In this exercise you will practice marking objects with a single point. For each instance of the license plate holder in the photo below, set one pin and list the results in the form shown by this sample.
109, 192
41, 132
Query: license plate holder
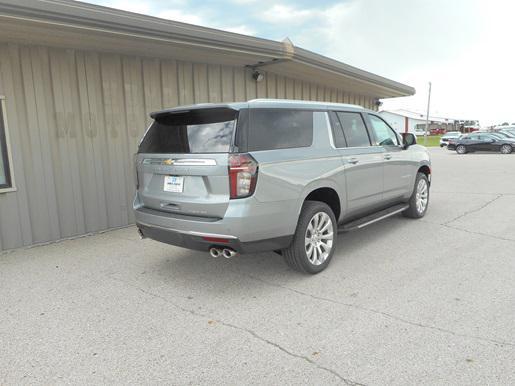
174, 184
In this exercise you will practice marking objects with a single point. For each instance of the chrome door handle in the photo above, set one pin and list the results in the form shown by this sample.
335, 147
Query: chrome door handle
353, 160
387, 156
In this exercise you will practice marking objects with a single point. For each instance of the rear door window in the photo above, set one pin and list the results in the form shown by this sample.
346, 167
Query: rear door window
271, 129
194, 131
354, 129
339, 138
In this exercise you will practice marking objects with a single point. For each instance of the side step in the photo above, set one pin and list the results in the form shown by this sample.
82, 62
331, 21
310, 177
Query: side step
372, 218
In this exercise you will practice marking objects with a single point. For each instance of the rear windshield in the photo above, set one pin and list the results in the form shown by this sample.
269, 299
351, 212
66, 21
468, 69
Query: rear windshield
195, 131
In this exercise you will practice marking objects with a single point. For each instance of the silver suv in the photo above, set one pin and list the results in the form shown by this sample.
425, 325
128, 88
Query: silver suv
274, 175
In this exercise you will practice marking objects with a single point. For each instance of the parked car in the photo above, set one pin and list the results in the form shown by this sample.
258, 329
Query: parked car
272, 175
482, 142
448, 136
506, 133
437, 131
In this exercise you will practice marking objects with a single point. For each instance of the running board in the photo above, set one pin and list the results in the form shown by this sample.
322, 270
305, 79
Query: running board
372, 218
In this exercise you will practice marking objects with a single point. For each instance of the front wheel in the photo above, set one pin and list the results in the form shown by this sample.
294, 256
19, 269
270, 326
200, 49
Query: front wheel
461, 149
506, 149
419, 199
314, 240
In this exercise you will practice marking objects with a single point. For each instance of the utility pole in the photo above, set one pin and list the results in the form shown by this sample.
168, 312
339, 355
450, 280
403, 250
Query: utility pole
427, 114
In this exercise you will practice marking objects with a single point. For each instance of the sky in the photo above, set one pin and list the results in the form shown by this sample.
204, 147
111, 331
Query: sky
465, 48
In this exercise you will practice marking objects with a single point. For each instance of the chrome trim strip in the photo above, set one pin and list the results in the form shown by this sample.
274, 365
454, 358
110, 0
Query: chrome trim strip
191, 233
180, 161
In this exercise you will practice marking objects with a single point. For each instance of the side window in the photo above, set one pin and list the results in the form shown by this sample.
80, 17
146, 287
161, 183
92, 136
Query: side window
384, 134
339, 138
354, 129
279, 129
6, 180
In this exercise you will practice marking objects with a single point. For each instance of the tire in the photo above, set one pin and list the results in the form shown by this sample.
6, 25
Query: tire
506, 149
296, 255
461, 149
416, 210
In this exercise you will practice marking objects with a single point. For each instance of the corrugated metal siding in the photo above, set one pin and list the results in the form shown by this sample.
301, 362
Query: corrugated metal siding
76, 117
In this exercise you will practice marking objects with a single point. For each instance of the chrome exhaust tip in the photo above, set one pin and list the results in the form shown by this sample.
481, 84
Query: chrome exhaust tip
215, 252
228, 253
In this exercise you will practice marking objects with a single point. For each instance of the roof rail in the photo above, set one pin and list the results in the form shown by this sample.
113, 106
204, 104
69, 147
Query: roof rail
296, 101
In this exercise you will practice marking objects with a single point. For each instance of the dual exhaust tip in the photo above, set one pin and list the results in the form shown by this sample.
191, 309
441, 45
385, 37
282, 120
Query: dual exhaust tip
224, 252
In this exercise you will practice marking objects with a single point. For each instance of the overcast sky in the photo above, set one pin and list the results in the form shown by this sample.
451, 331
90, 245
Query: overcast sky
464, 47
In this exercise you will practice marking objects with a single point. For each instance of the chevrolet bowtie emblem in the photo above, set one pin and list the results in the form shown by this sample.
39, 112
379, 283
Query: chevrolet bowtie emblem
168, 161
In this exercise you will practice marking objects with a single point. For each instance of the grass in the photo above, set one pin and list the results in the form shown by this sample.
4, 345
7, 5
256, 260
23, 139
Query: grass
432, 140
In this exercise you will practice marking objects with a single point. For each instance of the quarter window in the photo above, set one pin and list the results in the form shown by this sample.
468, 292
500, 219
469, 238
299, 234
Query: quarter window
279, 129
354, 129
5, 166
384, 134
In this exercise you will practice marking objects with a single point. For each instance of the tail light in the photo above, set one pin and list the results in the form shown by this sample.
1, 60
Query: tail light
243, 171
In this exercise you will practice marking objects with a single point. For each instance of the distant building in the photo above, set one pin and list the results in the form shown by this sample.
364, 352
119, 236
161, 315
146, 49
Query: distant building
404, 121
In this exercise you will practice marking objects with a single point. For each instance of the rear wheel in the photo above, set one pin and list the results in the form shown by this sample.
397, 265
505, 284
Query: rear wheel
419, 200
461, 149
313, 243
506, 149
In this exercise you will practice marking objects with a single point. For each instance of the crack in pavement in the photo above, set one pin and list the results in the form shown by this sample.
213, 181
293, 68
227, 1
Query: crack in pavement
474, 210
446, 225
247, 330
378, 312
477, 233
472, 193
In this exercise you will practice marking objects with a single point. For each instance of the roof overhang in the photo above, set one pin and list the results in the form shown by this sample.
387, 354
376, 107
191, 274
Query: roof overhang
71, 24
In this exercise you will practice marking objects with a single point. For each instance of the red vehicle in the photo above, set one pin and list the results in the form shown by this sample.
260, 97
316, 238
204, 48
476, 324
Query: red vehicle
437, 131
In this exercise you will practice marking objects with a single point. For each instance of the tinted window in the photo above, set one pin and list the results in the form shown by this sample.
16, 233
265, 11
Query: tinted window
196, 131
384, 134
279, 129
339, 138
354, 129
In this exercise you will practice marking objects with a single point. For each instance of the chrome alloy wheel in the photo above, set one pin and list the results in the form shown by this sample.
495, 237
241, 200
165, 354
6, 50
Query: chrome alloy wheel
506, 149
319, 238
461, 149
421, 196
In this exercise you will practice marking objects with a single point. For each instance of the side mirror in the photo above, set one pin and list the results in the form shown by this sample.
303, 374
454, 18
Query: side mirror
408, 139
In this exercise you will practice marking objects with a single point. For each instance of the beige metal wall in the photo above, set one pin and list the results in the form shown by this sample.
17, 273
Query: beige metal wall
76, 117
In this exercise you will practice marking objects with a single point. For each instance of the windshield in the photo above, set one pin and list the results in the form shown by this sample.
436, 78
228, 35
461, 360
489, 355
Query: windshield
196, 131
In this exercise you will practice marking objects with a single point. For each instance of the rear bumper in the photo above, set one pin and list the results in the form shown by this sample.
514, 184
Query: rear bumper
197, 242
247, 226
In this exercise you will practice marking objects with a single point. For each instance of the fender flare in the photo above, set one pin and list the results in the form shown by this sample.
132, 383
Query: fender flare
318, 184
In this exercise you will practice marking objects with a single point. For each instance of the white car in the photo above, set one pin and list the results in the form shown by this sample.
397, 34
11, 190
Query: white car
449, 135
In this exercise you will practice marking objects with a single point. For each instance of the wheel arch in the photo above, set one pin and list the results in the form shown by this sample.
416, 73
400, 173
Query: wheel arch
327, 192
425, 169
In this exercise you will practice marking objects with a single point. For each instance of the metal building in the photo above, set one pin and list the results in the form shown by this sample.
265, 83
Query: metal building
77, 82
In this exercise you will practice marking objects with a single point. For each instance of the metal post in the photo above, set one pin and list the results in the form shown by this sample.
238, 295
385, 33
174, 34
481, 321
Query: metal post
427, 114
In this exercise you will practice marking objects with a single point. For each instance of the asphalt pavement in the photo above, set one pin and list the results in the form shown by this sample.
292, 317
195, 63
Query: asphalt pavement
404, 301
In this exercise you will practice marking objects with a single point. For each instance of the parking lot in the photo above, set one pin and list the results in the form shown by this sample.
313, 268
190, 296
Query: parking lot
403, 302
